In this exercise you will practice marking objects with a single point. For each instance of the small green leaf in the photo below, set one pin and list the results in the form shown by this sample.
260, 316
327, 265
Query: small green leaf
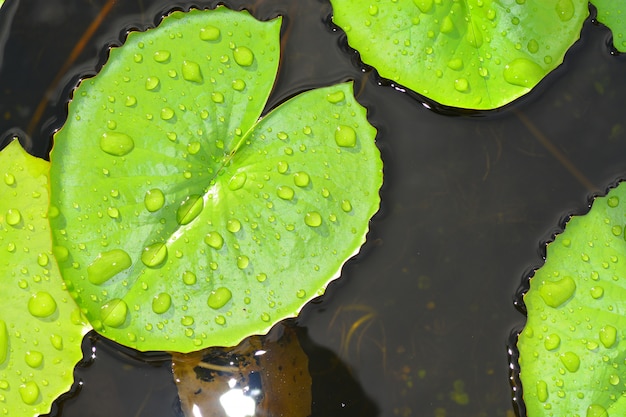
612, 13
573, 347
40, 325
186, 222
475, 54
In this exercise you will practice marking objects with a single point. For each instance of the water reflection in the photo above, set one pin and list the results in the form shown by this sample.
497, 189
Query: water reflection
283, 373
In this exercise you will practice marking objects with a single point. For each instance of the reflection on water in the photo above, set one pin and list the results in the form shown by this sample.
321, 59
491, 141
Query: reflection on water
419, 323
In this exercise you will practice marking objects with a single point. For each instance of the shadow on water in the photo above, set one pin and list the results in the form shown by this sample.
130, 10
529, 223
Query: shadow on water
420, 322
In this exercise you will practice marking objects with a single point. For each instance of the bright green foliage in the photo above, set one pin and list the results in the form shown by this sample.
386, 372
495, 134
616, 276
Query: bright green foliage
573, 348
184, 221
475, 54
40, 325
613, 14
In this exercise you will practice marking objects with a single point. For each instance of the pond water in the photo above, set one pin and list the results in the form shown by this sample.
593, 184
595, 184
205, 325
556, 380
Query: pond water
419, 324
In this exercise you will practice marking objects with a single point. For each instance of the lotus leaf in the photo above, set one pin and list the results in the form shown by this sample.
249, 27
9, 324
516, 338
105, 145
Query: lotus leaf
41, 328
185, 221
613, 14
573, 347
474, 54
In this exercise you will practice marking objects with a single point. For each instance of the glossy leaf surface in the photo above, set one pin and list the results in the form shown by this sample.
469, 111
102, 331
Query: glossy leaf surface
612, 13
475, 54
40, 325
573, 347
185, 222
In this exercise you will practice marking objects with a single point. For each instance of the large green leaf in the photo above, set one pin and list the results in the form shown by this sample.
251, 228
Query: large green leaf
184, 221
613, 14
40, 325
573, 347
475, 54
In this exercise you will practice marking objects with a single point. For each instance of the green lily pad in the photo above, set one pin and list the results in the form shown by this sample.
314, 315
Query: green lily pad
612, 13
474, 54
573, 347
183, 220
40, 325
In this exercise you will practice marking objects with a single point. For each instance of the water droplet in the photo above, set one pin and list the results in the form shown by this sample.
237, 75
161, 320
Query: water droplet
214, 240
265, 317
130, 101
596, 410
608, 336
555, 293
107, 265
542, 391
187, 321
301, 179
154, 255
552, 341
33, 358
209, 33
189, 209
161, 303
233, 225
237, 181
461, 85
373, 10
239, 85
345, 136
455, 64
597, 292
447, 25
113, 313
193, 147
42, 304
282, 167
424, 5
192, 72
154, 199
57, 341
613, 201
336, 97
565, 10
346, 206
613, 379
533, 46
221, 320
138, 58
570, 360
300, 293
523, 72
189, 278
9, 179
261, 277
152, 83
243, 56
219, 297
243, 261
161, 56
167, 113
113, 213
13, 217
217, 97
285, 192
29, 392
313, 219
116, 144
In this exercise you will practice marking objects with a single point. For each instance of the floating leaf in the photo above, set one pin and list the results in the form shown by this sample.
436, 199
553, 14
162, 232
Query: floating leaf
612, 13
263, 375
573, 348
40, 325
475, 54
184, 221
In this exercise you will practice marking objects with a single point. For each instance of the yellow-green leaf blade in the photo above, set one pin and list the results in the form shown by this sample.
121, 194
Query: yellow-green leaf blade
40, 325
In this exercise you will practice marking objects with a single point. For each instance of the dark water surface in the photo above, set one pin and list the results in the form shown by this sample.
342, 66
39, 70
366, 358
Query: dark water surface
418, 324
